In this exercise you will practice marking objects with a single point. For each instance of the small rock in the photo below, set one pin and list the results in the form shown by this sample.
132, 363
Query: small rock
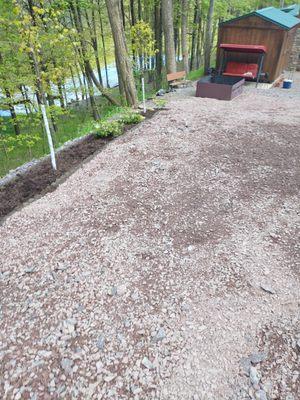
191, 248
160, 92
44, 353
135, 389
160, 335
110, 377
127, 323
257, 358
121, 290
147, 363
135, 296
101, 342
298, 345
30, 270
261, 395
69, 326
99, 367
113, 291
184, 307
245, 364
254, 378
267, 288
67, 365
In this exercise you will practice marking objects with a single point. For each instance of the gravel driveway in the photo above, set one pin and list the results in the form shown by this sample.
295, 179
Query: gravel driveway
165, 267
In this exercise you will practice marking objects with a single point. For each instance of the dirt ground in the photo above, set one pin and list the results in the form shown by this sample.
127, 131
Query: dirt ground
167, 266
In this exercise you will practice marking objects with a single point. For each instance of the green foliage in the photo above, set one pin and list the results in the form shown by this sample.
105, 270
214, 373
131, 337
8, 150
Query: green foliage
196, 74
160, 103
142, 39
131, 117
9, 143
108, 128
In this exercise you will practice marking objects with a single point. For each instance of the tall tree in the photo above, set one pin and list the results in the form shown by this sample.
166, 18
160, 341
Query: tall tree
168, 27
123, 60
208, 36
91, 77
158, 42
184, 41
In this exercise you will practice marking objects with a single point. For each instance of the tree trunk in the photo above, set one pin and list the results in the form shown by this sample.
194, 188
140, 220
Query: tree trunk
184, 42
168, 26
139, 10
124, 63
123, 13
25, 99
74, 84
93, 35
132, 12
196, 21
208, 36
158, 41
199, 46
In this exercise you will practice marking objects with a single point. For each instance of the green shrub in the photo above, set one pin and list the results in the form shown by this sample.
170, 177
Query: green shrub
108, 128
131, 117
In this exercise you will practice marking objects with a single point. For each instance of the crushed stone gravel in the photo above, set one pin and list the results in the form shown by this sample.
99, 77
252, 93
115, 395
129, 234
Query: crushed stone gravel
140, 276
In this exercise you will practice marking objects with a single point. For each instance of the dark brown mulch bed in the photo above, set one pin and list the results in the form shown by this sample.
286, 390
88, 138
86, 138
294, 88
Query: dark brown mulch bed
40, 178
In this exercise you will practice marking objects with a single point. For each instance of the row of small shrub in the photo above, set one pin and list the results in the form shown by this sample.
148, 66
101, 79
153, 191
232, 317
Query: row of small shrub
115, 128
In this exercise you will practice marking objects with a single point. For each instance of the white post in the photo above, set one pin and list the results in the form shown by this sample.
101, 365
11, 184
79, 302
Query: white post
144, 97
49, 137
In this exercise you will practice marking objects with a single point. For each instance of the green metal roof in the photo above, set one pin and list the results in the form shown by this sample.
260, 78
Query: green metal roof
283, 19
294, 10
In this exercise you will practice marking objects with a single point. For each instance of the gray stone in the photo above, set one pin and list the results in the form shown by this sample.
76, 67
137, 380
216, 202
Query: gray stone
113, 291
147, 363
30, 270
127, 323
135, 389
67, 365
121, 290
267, 288
298, 345
160, 335
245, 364
110, 377
257, 358
254, 378
69, 326
99, 367
101, 342
261, 395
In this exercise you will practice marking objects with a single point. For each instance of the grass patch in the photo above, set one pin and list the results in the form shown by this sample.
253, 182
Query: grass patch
196, 74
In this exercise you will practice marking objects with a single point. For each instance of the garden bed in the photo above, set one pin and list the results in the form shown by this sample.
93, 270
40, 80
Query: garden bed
38, 178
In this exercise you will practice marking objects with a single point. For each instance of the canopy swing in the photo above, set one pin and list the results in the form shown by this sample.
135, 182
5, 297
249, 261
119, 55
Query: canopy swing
242, 69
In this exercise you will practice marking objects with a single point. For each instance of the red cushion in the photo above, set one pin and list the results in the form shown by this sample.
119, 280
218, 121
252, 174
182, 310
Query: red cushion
241, 69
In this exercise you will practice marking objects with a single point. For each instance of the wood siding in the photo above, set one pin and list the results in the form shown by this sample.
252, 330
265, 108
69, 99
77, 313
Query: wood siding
255, 30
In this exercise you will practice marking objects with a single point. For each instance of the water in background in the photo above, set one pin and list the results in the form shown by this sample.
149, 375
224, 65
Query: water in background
112, 79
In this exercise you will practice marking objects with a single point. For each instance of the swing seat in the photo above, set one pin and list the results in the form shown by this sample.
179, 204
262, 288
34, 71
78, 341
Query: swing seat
243, 70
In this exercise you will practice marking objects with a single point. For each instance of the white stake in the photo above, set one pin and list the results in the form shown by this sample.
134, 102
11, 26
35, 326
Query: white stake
49, 137
144, 97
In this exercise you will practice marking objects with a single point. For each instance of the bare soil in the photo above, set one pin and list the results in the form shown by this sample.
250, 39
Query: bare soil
163, 262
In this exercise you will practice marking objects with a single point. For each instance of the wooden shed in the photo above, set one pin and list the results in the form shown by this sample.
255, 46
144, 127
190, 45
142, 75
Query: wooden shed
269, 27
